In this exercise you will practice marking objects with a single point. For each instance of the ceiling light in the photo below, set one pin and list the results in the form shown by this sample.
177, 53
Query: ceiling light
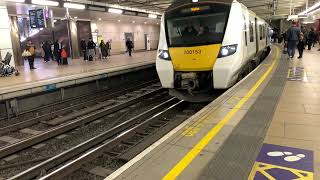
153, 16
45, 2
310, 9
76, 17
194, 1
145, 22
119, 20
16, 1
116, 11
99, 19
133, 21
74, 6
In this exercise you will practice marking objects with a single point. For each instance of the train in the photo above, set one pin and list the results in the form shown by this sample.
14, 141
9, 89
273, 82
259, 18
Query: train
207, 46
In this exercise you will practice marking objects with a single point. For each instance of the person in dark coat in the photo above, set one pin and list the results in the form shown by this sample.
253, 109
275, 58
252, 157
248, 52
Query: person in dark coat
83, 46
301, 45
292, 39
57, 51
104, 50
91, 49
47, 51
311, 38
129, 45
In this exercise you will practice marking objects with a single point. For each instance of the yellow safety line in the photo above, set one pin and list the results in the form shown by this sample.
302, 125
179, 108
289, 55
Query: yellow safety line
193, 153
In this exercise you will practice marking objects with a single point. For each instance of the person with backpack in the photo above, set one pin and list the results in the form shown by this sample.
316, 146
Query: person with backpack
32, 50
300, 45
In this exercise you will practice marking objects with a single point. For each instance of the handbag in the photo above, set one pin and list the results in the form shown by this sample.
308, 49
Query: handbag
26, 53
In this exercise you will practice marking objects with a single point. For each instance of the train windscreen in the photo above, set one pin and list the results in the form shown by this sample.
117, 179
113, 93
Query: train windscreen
197, 25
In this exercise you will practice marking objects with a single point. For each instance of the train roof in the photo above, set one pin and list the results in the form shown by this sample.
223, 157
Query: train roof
177, 3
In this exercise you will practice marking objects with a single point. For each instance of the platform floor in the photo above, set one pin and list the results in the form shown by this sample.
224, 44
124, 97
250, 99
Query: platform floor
51, 70
228, 139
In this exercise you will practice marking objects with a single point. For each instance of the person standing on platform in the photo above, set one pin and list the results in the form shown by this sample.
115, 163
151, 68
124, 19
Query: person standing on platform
104, 50
311, 38
32, 50
91, 49
57, 51
109, 47
292, 39
83, 46
64, 56
130, 46
301, 45
47, 51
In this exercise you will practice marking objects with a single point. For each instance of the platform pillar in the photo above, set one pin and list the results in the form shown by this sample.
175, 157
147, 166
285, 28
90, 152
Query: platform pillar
5, 31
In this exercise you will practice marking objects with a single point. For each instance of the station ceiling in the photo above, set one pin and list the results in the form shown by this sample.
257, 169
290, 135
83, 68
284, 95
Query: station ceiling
264, 8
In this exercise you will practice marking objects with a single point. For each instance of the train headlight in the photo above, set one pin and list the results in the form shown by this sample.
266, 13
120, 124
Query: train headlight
227, 50
164, 54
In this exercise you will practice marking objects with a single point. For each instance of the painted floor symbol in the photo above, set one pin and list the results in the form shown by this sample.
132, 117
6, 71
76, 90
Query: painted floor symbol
284, 163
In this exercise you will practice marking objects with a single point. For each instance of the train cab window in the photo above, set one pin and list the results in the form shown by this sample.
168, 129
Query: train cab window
251, 32
201, 25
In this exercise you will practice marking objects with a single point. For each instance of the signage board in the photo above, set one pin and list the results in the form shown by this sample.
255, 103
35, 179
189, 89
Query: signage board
37, 19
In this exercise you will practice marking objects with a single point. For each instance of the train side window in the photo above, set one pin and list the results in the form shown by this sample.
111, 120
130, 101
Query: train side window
245, 30
260, 32
251, 31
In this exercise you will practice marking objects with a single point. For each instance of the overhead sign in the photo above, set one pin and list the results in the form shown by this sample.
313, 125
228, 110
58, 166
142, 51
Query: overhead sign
37, 18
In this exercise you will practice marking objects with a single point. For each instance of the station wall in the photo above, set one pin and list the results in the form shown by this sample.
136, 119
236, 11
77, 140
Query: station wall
116, 32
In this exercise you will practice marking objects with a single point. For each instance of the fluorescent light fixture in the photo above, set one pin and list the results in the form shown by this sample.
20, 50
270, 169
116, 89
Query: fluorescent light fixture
99, 19
116, 11
194, 1
310, 9
119, 20
153, 16
76, 17
45, 2
74, 6
16, 1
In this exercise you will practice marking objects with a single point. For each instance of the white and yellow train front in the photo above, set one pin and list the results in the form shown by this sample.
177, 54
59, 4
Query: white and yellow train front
201, 46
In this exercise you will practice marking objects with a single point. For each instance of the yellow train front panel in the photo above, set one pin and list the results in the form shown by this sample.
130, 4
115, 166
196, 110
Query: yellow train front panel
197, 58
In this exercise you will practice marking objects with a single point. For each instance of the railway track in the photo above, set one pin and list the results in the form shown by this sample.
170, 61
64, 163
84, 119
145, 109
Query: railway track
130, 133
37, 121
91, 124
71, 160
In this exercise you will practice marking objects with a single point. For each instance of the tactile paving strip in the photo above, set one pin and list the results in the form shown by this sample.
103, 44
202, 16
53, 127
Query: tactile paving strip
237, 155
297, 74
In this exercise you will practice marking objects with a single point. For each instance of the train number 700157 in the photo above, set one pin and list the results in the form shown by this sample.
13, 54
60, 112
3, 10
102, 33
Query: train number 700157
192, 51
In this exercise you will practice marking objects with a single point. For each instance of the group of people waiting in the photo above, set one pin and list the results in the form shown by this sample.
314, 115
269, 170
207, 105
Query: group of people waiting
299, 38
55, 52
89, 49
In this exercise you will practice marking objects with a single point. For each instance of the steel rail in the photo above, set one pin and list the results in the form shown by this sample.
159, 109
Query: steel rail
117, 131
13, 148
44, 117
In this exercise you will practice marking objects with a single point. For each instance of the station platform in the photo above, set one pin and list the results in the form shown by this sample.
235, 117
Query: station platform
265, 127
49, 75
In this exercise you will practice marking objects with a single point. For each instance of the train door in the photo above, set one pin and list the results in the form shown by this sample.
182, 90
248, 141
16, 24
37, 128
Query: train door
257, 34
